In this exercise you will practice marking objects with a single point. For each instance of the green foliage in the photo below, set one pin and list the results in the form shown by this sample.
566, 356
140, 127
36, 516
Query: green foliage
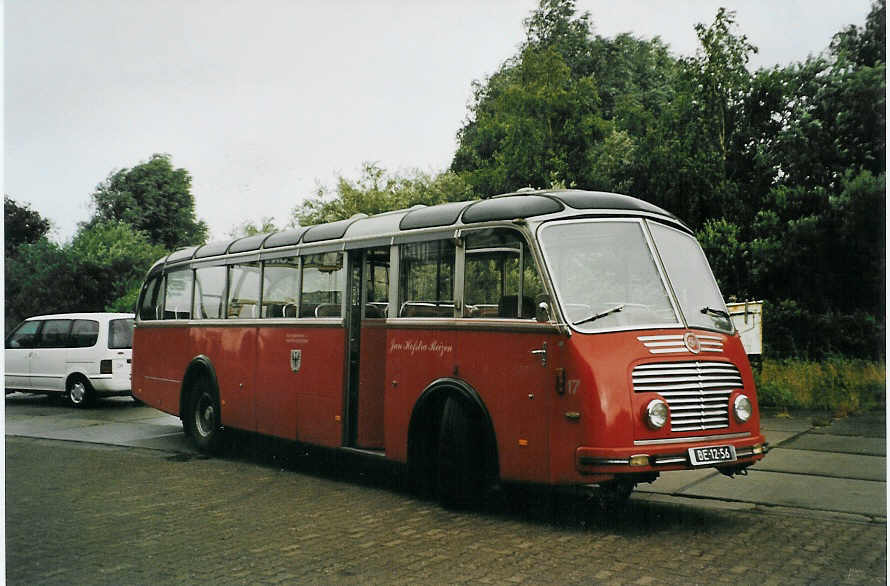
839, 385
266, 225
378, 191
21, 224
40, 279
101, 270
781, 171
152, 197
113, 258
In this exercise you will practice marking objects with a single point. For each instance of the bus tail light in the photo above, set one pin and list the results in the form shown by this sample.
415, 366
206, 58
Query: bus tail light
656, 413
105, 367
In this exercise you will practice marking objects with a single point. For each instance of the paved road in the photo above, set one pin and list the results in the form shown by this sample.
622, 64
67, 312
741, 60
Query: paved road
126, 500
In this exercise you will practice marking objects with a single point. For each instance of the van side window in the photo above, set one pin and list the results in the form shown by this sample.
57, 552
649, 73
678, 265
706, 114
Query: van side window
426, 286
499, 272
178, 295
54, 333
323, 284
150, 308
84, 333
281, 287
244, 291
120, 333
25, 336
210, 288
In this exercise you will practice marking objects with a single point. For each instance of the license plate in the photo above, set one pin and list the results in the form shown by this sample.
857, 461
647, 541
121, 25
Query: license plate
711, 455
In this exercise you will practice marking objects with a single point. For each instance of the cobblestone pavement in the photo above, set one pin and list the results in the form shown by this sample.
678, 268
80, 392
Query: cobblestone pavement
92, 514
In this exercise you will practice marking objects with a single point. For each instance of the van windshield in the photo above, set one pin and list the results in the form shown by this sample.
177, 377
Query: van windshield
606, 276
120, 333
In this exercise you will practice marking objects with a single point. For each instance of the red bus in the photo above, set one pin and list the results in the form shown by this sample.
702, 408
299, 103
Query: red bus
548, 337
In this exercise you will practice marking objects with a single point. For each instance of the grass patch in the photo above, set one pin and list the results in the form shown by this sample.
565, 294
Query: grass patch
837, 385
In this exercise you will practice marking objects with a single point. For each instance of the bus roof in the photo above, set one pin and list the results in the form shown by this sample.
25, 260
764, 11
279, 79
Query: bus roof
523, 204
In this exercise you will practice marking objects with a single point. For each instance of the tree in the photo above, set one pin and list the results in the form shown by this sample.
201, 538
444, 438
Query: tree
112, 259
266, 225
152, 197
378, 191
41, 279
21, 224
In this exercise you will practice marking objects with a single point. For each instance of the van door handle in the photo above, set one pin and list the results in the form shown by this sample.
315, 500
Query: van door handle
541, 353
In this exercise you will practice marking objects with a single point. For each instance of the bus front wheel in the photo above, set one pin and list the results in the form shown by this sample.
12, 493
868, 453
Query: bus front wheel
203, 418
460, 466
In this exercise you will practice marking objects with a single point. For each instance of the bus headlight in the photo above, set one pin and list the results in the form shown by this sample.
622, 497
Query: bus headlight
742, 408
656, 413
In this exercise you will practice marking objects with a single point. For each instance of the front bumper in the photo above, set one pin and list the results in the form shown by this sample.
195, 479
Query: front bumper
672, 454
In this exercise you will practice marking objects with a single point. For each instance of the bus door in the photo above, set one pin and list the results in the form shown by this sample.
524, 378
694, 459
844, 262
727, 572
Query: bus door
368, 294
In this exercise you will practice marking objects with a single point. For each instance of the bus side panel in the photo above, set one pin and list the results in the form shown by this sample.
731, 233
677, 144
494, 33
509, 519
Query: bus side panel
232, 351
372, 387
411, 366
319, 392
277, 383
160, 358
515, 387
518, 391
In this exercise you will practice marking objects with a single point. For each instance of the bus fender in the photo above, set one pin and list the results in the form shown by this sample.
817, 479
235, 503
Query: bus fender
423, 429
199, 366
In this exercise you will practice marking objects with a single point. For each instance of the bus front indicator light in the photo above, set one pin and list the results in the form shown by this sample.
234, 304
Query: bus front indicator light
742, 408
656, 414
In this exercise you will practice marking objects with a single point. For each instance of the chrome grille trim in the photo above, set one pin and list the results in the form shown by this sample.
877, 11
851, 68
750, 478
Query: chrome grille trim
673, 343
683, 440
697, 392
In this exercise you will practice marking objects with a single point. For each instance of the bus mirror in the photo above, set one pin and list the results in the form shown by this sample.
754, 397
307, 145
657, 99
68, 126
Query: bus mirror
542, 311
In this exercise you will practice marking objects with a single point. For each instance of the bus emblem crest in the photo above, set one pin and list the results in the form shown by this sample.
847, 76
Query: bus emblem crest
692, 343
296, 358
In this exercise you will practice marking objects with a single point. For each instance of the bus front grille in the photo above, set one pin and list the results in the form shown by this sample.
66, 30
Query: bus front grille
696, 392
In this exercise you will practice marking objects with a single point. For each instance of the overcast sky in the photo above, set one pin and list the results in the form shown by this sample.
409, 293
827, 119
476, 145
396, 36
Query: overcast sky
262, 100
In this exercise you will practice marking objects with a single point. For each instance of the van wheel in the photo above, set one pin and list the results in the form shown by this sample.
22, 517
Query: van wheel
203, 418
79, 392
460, 469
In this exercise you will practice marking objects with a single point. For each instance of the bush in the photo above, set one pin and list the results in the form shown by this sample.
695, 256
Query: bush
839, 385
791, 331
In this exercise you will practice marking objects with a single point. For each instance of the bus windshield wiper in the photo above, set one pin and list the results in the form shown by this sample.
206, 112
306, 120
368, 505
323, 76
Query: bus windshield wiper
595, 317
718, 312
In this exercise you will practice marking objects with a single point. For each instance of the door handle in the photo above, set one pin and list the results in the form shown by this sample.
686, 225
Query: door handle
541, 353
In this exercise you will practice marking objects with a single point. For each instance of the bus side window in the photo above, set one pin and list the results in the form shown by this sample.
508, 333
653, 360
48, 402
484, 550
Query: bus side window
210, 288
499, 272
426, 286
377, 300
281, 287
323, 283
150, 308
178, 295
244, 291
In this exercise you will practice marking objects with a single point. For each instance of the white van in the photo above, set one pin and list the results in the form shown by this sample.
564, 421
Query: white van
77, 355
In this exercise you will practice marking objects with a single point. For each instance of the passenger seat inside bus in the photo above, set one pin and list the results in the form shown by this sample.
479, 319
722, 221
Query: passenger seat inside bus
508, 307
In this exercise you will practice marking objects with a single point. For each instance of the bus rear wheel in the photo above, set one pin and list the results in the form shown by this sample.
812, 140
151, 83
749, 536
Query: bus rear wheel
203, 418
460, 476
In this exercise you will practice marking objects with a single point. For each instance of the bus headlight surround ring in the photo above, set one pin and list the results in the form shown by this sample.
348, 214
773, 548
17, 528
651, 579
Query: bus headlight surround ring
742, 408
656, 414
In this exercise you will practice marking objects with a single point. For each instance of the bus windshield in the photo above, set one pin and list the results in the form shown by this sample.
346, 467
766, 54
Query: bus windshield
691, 279
606, 276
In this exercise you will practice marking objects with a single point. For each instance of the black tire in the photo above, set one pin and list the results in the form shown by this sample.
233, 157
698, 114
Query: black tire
613, 495
460, 474
202, 418
79, 392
